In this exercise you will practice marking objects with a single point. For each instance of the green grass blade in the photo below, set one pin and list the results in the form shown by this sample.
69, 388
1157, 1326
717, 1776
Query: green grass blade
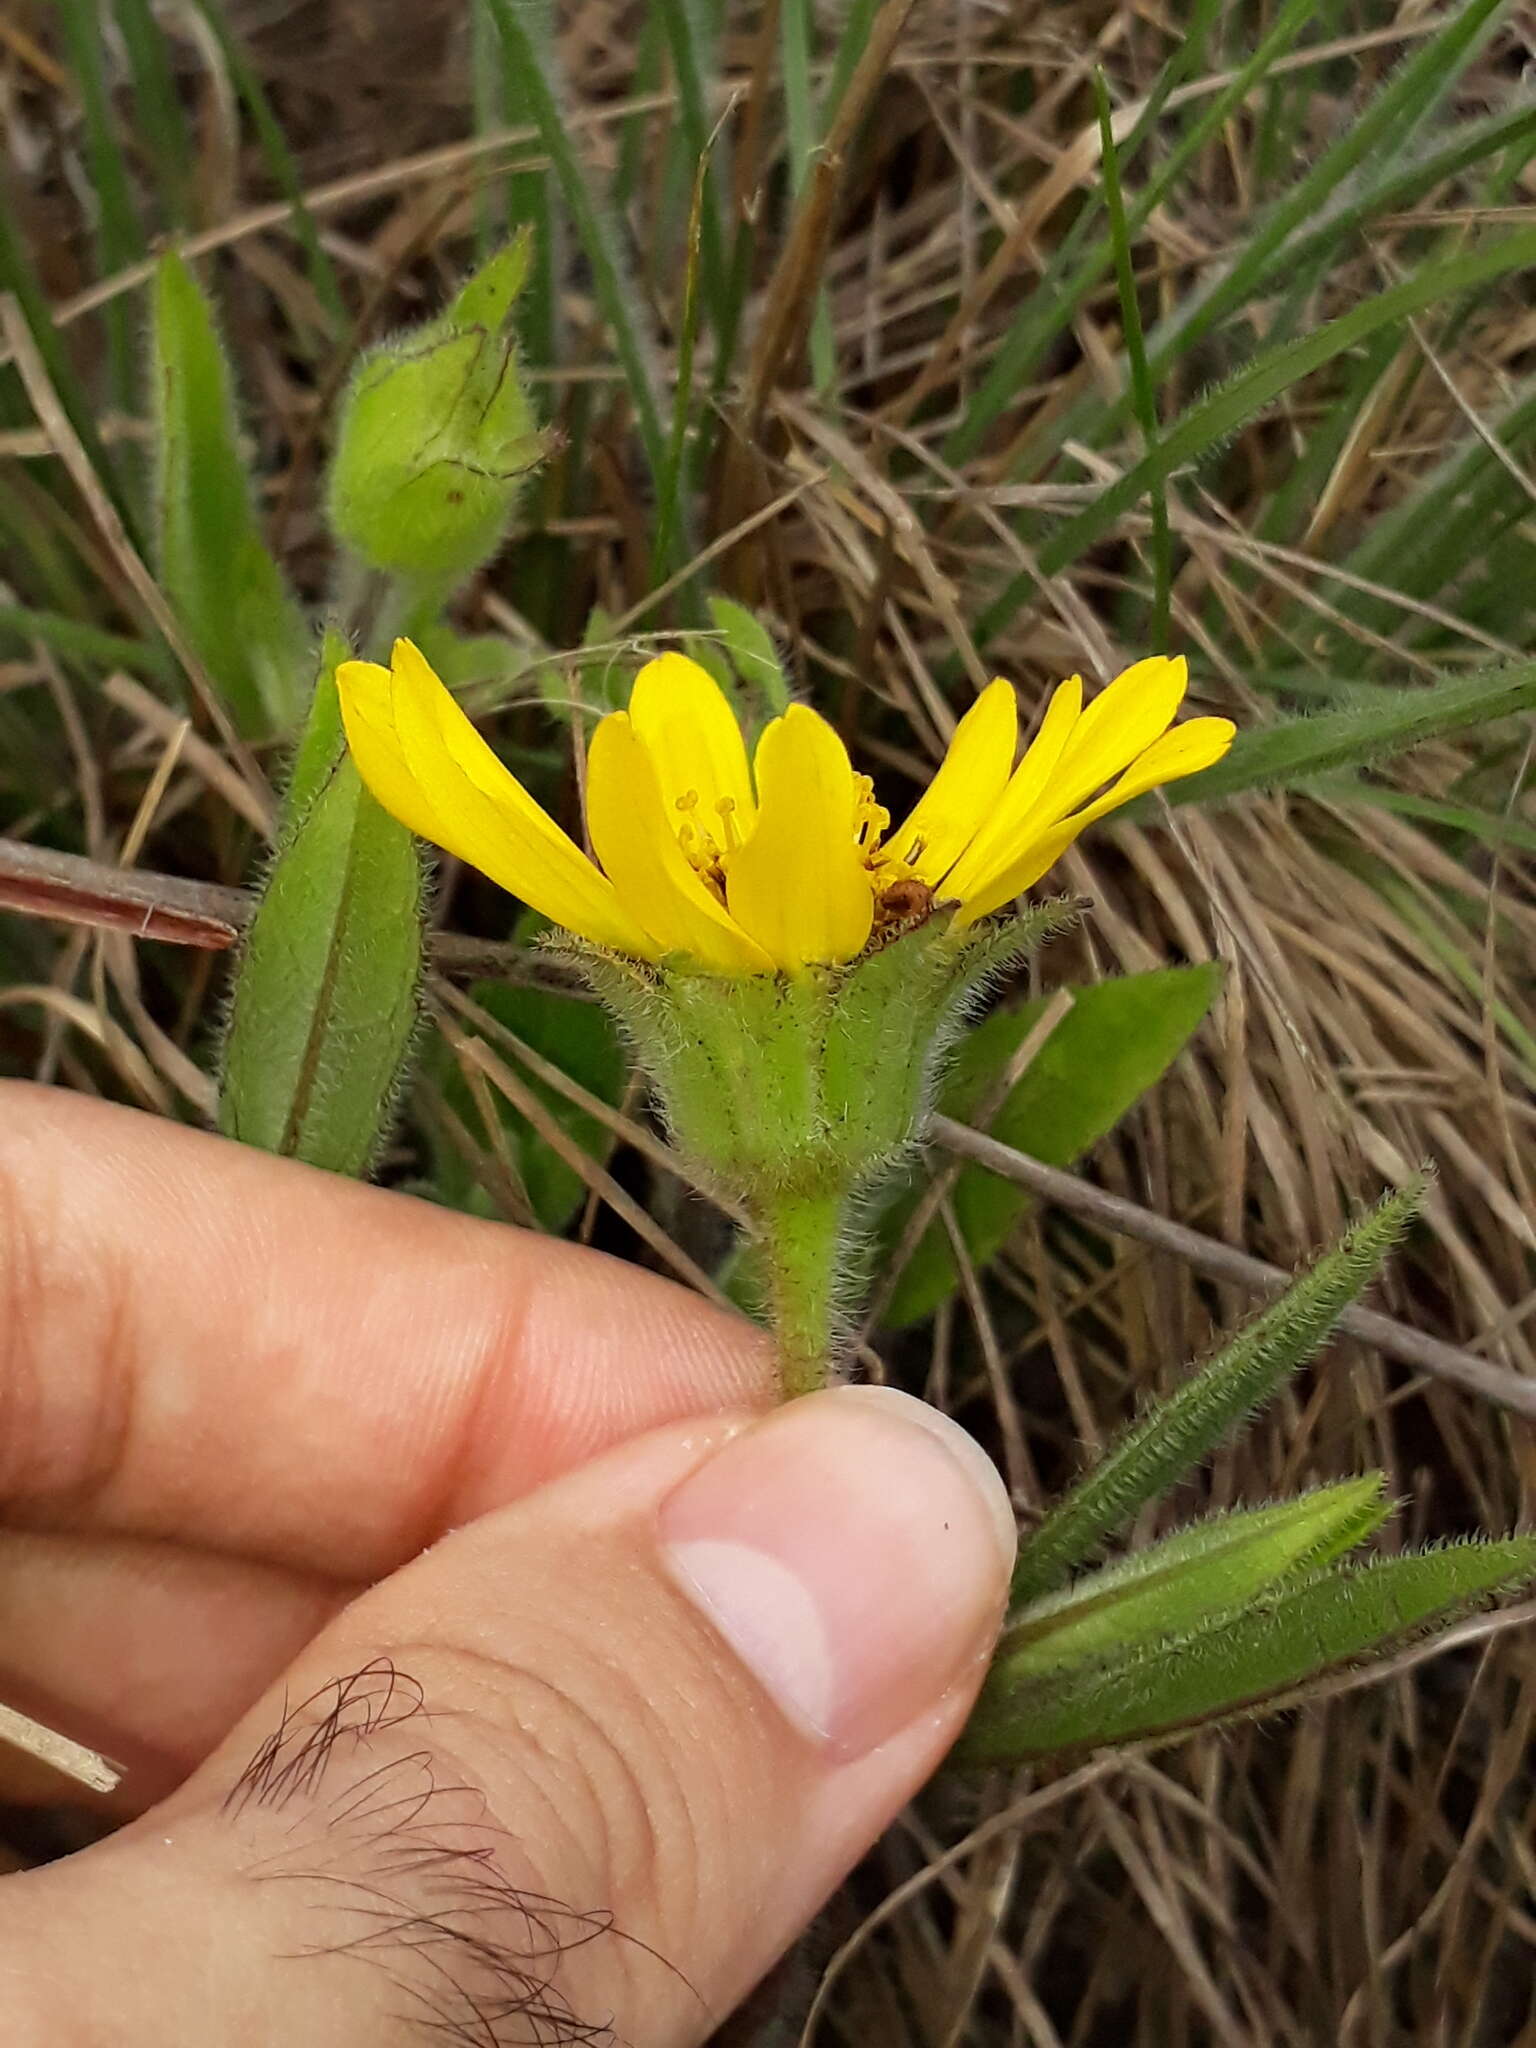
1206, 425
1318, 199
1143, 390
690, 43
1071, 275
87, 646
1487, 827
161, 124
269, 133
119, 231
674, 481
1420, 543
594, 227
503, 97
797, 23
20, 279
1298, 238
1299, 748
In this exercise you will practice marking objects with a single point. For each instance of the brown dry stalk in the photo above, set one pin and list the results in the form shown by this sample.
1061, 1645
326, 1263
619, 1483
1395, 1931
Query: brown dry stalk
1225, 1262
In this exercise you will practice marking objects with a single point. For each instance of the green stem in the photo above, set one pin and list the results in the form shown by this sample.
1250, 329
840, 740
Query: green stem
801, 1238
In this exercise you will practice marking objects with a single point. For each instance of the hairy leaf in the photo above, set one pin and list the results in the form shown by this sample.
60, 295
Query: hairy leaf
1241, 1658
1391, 721
325, 998
1180, 1431
1214, 1564
224, 585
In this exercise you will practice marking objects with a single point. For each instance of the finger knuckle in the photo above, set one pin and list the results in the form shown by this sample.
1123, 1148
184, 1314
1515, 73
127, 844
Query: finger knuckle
66, 1310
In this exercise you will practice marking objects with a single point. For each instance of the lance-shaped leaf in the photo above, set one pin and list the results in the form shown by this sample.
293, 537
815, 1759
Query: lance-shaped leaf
1170, 1588
225, 587
1180, 1431
325, 1000
1242, 1658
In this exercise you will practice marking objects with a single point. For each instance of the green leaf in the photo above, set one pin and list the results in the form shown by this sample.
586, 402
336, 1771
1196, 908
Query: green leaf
1118, 1038
224, 585
1215, 1564
752, 653
325, 999
583, 1041
1241, 1658
1180, 1431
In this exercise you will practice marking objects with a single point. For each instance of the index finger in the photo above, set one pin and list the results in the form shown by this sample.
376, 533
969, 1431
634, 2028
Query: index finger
203, 1342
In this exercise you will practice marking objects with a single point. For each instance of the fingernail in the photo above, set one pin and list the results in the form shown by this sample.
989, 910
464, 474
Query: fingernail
854, 1550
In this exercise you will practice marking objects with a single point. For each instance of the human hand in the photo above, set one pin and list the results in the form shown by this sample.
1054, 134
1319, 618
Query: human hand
502, 1672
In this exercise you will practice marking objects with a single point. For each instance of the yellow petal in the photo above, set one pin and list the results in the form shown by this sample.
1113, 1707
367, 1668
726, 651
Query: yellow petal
1198, 743
1120, 723
1184, 751
1030, 789
635, 838
691, 734
425, 762
965, 792
799, 885
363, 687
1034, 857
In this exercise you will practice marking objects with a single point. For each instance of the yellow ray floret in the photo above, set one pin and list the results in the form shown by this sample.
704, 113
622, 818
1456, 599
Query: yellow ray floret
787, 862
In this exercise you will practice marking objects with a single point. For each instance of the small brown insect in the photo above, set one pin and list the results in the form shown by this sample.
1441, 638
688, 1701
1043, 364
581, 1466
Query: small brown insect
905, 902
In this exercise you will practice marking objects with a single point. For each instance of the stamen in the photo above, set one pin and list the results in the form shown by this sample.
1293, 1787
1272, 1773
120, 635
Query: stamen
870, 820
725, 811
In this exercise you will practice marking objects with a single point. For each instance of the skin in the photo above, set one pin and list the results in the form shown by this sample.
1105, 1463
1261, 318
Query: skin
350, 1526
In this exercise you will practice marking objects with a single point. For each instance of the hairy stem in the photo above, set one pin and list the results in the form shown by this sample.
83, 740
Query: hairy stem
801, 1243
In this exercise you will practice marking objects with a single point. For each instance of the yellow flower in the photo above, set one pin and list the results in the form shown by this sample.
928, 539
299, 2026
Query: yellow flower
784, 863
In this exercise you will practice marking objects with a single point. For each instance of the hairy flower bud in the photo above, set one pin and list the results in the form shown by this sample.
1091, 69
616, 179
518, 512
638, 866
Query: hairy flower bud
791, 1097
437, 435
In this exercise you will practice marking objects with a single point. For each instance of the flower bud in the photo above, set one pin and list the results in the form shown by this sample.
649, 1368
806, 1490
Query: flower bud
437, 435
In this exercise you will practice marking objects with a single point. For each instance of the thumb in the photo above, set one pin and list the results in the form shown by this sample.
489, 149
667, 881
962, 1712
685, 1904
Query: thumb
578, 1773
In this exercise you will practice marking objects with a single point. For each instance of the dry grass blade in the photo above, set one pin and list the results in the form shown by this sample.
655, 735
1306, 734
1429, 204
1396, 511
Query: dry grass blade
72, 1760
66, 445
